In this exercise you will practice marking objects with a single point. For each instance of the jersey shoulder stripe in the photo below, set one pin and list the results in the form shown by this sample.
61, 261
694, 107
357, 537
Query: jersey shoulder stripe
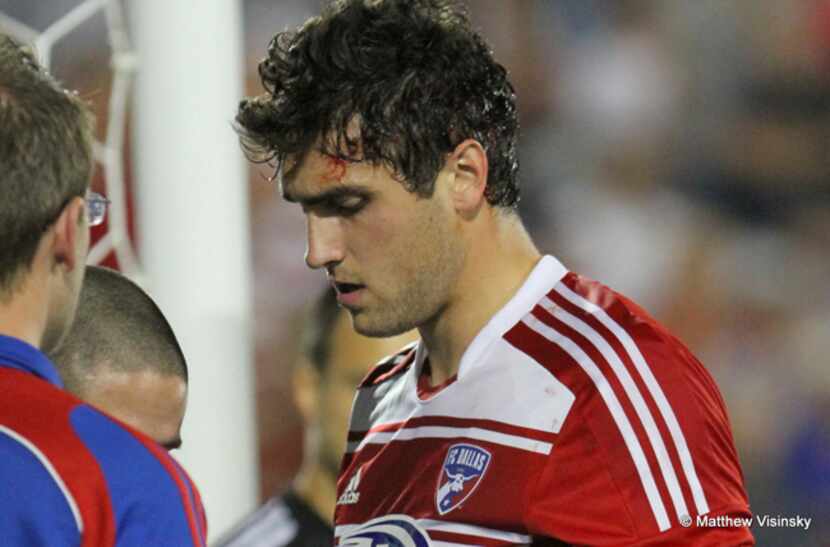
625, 323
607, 349
390, 366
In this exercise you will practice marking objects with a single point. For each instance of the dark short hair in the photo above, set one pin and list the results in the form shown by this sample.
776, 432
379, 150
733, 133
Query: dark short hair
318, 328
46, 135
412, 73
118, 326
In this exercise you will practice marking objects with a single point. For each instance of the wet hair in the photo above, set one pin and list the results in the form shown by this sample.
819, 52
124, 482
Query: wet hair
117, 326
318, 329
412, 74
46, 135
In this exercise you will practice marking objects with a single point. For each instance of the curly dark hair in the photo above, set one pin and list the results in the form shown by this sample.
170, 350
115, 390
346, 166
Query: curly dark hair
414, 75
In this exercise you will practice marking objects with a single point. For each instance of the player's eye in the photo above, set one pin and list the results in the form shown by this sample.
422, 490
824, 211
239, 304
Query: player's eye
342, 206
349, 206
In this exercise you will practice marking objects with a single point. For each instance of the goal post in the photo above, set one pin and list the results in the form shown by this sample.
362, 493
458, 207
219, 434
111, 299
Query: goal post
180, 65
193, 231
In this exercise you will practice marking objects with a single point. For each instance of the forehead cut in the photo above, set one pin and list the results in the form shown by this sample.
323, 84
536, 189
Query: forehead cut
339, 152
326, 179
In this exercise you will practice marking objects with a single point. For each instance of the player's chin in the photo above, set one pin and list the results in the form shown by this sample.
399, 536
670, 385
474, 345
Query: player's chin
375, 325
364, 325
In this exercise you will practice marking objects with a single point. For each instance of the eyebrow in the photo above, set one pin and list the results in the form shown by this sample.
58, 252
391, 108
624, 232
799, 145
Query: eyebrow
327, 196
172, 444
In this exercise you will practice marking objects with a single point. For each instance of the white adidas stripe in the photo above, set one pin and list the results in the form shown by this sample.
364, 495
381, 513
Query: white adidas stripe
617, 413
445, 432
654, 389
634, 396
48, 466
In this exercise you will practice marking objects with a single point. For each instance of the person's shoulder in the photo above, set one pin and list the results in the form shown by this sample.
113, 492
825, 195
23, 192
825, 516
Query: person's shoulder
312, 529
154, 500
36, 394
592, 295
37, 505
608, 310
647, 411
38, 458
52, 429
272, 524
283, 521
124, 453
100, 465
391, 366
583, 322
39, 412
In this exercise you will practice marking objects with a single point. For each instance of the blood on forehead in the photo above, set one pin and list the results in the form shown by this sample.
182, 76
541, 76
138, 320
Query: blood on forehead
335, 168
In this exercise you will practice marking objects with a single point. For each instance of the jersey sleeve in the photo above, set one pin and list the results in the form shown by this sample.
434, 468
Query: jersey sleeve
37, 509
153, 500
647, 449
585, 497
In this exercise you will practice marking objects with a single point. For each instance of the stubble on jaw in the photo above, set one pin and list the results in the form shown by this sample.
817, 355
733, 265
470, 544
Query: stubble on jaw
432, 259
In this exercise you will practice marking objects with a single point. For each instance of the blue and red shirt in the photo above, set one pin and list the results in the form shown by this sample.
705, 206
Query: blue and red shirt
71, 475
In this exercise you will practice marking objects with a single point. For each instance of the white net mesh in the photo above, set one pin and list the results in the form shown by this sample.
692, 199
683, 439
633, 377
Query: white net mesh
109, 149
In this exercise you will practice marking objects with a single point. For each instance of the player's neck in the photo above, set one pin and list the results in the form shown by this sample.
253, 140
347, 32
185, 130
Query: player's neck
317, 487
23, 316
497, 264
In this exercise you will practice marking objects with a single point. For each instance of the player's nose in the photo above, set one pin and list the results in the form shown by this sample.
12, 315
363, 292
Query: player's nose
324, 246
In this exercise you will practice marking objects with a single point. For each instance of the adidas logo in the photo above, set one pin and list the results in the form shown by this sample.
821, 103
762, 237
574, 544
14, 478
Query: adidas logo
351, 495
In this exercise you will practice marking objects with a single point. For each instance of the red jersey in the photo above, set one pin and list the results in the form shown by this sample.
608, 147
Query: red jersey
575, 418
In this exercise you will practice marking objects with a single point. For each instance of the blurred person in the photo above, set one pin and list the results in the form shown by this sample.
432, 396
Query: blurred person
333, 361
122, 357
69, 475
766, 346
539, 406
621, 103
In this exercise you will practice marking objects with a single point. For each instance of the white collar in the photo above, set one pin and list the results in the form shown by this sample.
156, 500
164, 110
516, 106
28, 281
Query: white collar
545, 275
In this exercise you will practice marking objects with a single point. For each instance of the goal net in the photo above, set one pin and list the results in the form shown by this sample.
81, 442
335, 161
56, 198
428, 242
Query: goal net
190, 199
30, 24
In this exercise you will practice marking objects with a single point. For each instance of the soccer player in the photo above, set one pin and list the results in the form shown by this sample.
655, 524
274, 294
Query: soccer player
69, 475
333, 361
540, 406
122, 357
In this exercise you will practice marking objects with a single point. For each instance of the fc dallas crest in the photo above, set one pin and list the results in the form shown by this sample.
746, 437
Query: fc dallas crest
463, 469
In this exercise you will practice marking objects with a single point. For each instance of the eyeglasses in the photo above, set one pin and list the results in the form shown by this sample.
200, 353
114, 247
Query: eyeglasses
96, 208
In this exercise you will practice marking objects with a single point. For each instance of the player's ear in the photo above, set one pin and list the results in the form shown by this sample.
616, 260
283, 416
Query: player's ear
68, 232
306, 382
469, 169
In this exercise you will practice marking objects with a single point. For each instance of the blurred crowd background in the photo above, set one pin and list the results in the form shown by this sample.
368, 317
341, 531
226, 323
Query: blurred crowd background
676, 150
